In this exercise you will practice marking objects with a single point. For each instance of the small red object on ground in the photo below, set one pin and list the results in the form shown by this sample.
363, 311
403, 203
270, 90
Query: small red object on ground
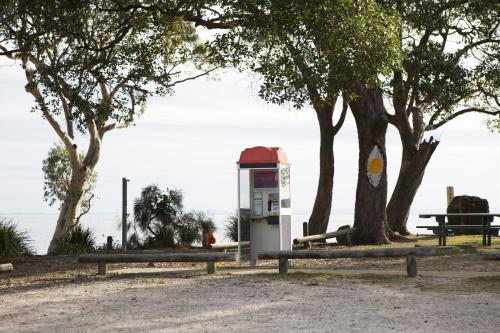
211, 239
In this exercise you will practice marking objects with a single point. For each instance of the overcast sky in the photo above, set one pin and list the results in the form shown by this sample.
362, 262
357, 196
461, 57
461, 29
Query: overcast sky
191, 141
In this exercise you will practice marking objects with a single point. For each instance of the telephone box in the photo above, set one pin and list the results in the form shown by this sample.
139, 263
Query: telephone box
264, 212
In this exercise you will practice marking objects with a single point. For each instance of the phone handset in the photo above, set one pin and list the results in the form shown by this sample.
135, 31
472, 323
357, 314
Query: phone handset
273, 204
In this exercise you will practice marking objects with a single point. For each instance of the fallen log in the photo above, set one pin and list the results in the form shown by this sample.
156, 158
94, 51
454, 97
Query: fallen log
324, 236
5, 268
225, 246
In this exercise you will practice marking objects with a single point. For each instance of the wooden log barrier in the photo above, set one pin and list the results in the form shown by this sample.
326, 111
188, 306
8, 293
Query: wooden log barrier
409, 253
284, 264
411, 265
491, 256
226, 246
324, 236
6, 268
103, 259
210, 267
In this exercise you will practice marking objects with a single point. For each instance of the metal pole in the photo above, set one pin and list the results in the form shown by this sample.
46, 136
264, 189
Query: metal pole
124, 214
238, 259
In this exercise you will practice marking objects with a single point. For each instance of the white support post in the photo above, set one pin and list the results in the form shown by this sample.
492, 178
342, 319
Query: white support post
238, 257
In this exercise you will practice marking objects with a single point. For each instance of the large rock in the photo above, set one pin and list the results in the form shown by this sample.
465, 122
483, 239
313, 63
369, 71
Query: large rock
467, 204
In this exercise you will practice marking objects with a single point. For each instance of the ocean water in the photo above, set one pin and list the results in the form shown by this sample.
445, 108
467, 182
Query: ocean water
41, 226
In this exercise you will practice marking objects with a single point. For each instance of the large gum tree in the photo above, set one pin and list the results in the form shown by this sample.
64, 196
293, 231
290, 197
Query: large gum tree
90, 71
308, 54
451, 68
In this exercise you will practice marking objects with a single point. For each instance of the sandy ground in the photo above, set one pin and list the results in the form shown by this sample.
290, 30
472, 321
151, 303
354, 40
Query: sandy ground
56, 294
191, 302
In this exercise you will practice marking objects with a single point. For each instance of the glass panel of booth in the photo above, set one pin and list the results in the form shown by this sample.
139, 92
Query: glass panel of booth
284, 178
244, 189
244, 204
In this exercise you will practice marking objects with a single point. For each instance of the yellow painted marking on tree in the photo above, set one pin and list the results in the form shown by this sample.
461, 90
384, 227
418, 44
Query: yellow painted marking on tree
375, 165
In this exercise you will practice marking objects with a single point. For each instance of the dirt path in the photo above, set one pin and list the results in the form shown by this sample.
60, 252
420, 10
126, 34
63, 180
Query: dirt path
458, 292
173, 302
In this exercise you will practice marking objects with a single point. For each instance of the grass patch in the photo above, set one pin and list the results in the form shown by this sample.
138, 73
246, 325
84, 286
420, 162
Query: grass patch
470, 239
484, 283
474, 284
427, 240
315, 278
222, 265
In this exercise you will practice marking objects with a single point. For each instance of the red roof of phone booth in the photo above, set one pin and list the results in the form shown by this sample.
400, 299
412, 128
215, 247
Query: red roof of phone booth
261, 154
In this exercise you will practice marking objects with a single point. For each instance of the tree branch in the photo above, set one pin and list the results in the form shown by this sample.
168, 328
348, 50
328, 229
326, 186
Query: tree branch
341, 120
113, 126
84, 211
170, 85
432, 126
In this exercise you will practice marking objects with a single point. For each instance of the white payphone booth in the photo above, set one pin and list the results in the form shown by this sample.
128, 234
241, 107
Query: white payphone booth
264, 212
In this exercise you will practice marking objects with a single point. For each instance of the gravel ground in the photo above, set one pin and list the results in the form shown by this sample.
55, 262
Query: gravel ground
193, 301
56, 294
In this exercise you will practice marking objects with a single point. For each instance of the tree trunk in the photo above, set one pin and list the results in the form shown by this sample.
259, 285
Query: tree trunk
69, 208
413, 164
371, 193
81, 173
320, 216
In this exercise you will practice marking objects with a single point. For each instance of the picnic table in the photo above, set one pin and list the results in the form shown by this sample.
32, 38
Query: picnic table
443, 228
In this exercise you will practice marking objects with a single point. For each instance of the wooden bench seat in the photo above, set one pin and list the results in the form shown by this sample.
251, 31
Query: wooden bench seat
409, 253
103, 259
460, 227
442, 228
442, 232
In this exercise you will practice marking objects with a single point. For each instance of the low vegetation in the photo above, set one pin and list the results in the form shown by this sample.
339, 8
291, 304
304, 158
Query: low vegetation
13, 242
77, 240
231, 229
160, 222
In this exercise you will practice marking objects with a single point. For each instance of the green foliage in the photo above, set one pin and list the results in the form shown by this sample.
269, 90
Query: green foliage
231, 227
158, 215
308, 52
206, 226
451, 58
77, 240
57, 174
13, 242
156, 211
187, 229
80, 49
134, 241
162, 239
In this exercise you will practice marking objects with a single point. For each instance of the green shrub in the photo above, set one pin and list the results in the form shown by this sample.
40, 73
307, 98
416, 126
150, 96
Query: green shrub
134, 241
232, 226
78, 240
162, 238
187, 229
206, 226
158, 215
13, 242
